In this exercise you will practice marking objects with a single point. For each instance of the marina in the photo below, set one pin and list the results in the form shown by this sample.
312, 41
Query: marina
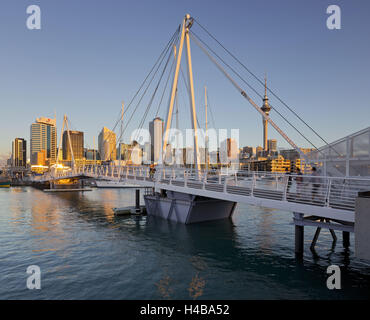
218, 156
85, 250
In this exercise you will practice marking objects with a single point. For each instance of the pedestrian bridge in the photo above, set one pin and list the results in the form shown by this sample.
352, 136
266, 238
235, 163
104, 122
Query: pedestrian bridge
325, 197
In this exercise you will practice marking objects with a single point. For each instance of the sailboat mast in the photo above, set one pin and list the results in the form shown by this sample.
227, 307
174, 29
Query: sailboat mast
120, 138
206, 151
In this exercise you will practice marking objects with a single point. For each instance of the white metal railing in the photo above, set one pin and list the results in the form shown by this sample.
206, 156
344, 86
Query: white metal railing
335, 192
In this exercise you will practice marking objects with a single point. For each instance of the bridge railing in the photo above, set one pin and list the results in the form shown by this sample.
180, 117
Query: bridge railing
332, 192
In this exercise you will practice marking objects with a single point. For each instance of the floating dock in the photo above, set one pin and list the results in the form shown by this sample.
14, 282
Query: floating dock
130, 211
67, 190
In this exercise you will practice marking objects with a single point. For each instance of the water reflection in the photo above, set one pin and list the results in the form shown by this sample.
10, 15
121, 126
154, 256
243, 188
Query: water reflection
87, 252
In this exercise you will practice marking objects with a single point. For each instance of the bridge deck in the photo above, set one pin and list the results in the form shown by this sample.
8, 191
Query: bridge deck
327, 197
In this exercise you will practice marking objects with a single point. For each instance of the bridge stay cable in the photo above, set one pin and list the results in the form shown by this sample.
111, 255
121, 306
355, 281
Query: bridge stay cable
167, 51
270, 90
244, 94
159, 59
254, 90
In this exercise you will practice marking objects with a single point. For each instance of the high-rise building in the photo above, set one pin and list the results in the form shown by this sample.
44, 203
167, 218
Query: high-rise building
266, 109
125, 150
107, 144
19, 152
156, 128
43, 137
77, 144
229, 151
272, 146
91, 154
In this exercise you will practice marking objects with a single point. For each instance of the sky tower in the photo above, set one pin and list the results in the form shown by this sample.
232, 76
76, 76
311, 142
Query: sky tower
266, 109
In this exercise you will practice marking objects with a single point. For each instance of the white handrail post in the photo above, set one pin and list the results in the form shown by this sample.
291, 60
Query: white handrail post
328, 189
253, 183
276, 181
286, 184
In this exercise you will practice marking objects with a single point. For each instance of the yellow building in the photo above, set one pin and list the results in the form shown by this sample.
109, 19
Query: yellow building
278, 164
300, 164
107, 145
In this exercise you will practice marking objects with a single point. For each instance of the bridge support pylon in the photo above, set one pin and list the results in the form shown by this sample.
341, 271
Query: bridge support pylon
187, 208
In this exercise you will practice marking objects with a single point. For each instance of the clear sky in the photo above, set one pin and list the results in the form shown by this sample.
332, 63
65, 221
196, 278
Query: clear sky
90, 55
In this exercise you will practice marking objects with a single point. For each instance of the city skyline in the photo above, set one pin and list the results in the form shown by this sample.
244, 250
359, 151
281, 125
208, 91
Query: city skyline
316, 101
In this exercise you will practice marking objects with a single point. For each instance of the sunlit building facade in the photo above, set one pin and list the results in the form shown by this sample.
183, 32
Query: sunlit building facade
43, 136
107, 145
76, 143
19, 152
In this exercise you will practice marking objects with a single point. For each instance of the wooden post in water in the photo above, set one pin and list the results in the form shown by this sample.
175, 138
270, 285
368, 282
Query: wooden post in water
137, 198
346, 242
299, 239
299, 235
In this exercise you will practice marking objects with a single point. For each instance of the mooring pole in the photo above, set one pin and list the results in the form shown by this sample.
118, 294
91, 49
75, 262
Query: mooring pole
346, 241
299, 238
299, 234
137, 198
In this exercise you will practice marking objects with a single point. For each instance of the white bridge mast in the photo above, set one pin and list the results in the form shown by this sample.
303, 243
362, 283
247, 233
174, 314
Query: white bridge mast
186, 25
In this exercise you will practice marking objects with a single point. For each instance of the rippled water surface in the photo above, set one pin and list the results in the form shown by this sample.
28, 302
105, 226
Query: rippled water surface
85, 252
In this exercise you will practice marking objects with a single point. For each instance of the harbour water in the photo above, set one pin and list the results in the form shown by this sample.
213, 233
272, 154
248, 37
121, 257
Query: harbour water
85, 252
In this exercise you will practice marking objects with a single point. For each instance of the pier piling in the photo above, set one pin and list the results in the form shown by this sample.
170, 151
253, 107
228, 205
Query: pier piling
137, 198
299, 240
346, 241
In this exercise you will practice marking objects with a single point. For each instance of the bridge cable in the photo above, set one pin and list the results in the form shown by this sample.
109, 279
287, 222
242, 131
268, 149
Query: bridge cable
243, 93
168, 48
254, 90
261, 82
174, 35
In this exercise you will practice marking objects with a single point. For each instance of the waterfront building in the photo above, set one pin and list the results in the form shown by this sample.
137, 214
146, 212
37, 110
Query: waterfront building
298, 163
39, 158
91, 154
19, 153
107, 145
76, 142
248, 152
43, 136
156, 128
260, 152
126, 149
229, 151
266, 109
293, 154
272, 146
278, 164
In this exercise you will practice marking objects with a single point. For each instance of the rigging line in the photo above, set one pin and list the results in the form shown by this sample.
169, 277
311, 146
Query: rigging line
165, 88
147, 76
261, 82
154, 93
160, 58
142, 96
210, 109
254, 90
244, 94
146, 89
168, 78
